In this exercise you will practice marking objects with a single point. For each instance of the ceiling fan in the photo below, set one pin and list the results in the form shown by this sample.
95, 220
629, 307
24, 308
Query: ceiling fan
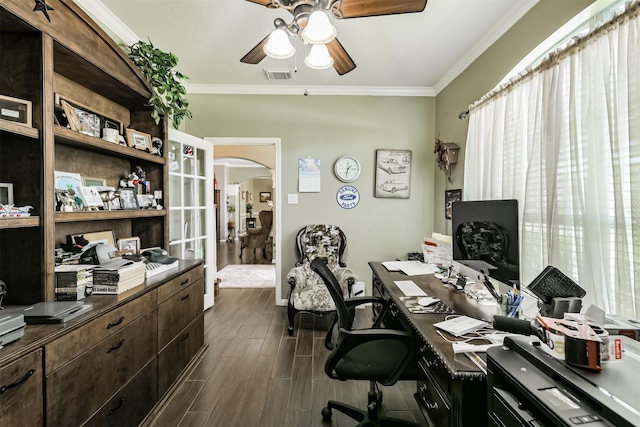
339, 9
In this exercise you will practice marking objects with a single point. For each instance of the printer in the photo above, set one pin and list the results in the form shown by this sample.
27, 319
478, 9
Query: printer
527, 386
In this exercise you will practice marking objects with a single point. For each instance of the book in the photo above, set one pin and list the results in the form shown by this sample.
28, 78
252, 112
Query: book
119, 279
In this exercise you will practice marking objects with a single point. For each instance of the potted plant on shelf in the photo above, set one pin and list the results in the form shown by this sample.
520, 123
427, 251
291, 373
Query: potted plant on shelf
168, 96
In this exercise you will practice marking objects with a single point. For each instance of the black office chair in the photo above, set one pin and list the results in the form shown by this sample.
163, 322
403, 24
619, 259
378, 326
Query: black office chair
378, 355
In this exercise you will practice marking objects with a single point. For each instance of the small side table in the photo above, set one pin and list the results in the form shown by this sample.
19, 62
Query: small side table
251, 222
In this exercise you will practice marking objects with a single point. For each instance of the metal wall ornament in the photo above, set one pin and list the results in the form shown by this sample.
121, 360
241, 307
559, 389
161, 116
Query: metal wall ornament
446, 155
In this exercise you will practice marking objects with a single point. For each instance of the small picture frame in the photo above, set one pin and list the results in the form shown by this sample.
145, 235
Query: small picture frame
112, 205
146, 201
107, 237
450, 197
129, 246
128, 199
6, 193
265, 196
93, 182
15, 110
90, 196
139, 140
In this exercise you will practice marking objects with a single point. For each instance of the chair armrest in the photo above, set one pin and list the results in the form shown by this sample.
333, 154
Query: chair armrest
364, 300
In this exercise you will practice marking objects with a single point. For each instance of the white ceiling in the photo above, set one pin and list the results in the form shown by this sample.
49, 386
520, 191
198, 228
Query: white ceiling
408, 54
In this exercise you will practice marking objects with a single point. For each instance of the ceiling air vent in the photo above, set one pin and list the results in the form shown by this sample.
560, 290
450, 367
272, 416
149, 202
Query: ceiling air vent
278, 74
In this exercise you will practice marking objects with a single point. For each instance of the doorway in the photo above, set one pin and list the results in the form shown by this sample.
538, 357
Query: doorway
265, 151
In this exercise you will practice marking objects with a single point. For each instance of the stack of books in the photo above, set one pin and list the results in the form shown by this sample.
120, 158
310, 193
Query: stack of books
115, 280
73, 282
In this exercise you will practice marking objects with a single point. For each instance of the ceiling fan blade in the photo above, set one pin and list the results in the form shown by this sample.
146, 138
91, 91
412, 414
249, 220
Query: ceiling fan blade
256, 54
361, 8
262, 2
342, 62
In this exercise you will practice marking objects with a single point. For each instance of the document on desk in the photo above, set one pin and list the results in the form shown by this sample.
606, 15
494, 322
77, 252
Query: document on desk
410, 268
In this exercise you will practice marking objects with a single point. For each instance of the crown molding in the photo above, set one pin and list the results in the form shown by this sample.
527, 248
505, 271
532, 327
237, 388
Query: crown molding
108, 21
498, 30
310, 90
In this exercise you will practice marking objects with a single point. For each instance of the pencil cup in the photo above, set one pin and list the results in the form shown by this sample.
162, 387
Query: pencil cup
511, 310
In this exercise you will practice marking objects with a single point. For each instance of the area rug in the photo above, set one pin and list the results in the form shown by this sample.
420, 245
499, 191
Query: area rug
248, 276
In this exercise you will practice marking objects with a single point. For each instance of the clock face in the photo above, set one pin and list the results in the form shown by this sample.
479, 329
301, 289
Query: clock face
347, 169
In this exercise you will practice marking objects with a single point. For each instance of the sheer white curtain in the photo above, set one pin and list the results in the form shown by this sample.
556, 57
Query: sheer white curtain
565, 141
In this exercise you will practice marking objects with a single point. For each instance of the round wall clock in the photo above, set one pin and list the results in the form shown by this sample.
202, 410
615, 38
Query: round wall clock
347, 169
348, 197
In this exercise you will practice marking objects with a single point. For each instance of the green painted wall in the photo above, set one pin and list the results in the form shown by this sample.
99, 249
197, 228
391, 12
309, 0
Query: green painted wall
328, 127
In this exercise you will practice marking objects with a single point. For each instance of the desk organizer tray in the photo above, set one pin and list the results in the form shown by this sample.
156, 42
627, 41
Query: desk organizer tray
11, 328
412, 305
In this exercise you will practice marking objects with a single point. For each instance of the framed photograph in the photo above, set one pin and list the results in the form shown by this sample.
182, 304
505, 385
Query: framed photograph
146, 201
265, 196
93, 182
15, 110
6, 193
70, 115
129, 246
128, 198
393, 174
89, 122
139, 140
451, 196
112, 205
108, 237
90, 197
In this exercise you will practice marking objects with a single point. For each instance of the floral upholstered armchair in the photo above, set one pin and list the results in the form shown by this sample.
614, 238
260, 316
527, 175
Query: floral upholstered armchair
308, 292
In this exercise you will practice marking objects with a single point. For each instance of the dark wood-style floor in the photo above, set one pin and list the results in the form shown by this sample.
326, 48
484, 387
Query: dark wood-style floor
254, 374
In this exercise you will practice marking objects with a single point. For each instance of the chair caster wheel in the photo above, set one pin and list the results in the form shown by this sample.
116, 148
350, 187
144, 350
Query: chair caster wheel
326, 413
290, 330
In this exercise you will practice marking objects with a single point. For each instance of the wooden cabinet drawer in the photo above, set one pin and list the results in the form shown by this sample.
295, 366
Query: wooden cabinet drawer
74, 343
132, 403
431, 401
76, 390
174, 286
436, 369
175, 356
21, 391
178, 311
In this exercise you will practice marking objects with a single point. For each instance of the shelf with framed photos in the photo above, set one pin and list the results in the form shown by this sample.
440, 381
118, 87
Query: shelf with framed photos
109, 215
74, 139
44, 62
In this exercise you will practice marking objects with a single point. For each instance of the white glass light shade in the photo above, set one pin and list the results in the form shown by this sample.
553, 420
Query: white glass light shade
278, 46
319, 30
319, 57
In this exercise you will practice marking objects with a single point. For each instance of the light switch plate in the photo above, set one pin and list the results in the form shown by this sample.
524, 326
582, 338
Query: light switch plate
292, 199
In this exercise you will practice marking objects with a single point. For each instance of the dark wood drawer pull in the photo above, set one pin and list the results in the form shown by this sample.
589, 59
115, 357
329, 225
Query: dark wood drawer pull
119, 321
117, 346
17, 383
185, 337
118, 406
184, 282
184, 297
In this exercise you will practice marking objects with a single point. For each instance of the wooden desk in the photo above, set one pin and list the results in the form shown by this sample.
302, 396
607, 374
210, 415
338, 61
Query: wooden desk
451, 388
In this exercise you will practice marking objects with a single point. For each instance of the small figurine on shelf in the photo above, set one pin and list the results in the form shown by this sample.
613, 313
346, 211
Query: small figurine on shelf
156, 146
10, 211
133, 178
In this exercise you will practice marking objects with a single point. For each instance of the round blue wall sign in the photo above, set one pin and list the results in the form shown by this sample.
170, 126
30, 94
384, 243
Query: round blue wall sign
348, 197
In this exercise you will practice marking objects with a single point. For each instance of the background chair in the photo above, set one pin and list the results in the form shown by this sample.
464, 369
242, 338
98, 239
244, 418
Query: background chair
379, 355
308, 293
258, 237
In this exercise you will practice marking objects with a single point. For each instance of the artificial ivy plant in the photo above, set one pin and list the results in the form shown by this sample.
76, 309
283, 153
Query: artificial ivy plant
168, 95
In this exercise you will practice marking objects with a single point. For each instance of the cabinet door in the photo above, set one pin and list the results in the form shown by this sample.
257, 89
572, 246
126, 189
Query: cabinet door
21, 398
192, 220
